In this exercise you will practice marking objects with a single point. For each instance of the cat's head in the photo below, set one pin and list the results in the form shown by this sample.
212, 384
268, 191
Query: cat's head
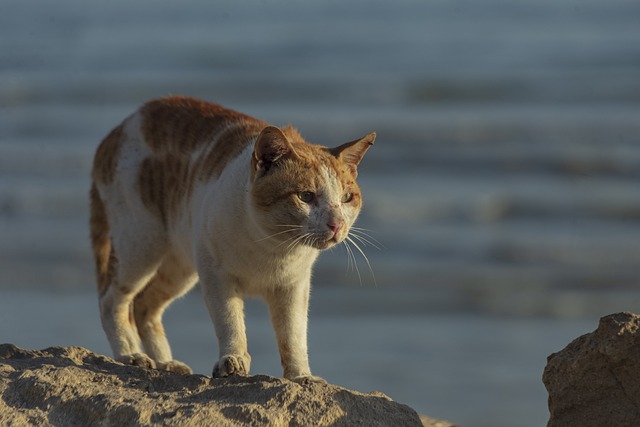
304, 193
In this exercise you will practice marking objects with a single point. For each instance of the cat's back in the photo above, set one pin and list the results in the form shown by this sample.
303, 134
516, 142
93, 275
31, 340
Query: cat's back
175, 127
167, 148
183, 125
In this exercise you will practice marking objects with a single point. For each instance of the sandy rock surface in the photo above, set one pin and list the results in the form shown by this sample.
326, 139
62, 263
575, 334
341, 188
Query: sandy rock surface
595, 380
73, 386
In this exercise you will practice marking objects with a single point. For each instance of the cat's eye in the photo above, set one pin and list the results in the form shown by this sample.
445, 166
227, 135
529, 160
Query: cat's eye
347, 197
306, 196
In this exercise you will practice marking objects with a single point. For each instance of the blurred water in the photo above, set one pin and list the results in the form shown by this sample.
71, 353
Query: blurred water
503, 185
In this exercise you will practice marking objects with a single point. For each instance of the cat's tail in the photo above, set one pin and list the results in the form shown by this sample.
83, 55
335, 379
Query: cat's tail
100, 241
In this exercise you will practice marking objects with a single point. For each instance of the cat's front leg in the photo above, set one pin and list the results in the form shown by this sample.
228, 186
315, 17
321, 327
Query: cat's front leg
226, 309
288, 307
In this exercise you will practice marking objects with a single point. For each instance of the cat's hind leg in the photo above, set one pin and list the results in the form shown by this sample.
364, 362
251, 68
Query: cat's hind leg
123, 267
172, 280
136, 254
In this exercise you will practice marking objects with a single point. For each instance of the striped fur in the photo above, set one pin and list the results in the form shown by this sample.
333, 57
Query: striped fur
185, 190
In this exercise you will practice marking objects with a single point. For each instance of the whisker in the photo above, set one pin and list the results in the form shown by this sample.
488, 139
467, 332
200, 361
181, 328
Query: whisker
352, 256
296, 240
353, 227
310, 240
366, 237
365, 258
365, 241
275, 234
346, 249
306, 240
364, 231
292, 245
287, 241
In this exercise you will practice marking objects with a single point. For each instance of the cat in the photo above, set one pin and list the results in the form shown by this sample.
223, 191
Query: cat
184, 191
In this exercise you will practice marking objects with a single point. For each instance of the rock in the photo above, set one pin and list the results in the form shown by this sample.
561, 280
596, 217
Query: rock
73, 386
594, 381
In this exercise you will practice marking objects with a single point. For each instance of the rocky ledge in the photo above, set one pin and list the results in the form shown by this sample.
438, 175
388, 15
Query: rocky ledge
73, 386
594, 381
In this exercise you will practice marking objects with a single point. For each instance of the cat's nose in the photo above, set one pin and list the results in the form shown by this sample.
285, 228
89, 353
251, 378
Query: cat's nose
334, 226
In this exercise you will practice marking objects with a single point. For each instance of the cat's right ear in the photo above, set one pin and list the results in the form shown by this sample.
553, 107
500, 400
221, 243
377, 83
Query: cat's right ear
271, 146
352, 152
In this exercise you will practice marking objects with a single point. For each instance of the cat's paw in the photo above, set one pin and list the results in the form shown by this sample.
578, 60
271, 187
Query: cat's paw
231, 364
137, 359
175, 366
308, 379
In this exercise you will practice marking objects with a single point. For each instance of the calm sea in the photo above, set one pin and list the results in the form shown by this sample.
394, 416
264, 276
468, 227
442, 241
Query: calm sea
503, 188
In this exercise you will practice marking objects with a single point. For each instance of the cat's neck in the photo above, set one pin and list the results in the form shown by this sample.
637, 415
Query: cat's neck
230, 215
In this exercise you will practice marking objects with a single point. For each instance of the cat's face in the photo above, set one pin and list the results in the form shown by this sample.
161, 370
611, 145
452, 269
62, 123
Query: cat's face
303, 193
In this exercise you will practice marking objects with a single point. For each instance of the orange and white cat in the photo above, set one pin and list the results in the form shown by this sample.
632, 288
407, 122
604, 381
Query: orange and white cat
185, 190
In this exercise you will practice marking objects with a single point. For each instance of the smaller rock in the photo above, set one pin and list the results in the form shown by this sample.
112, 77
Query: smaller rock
594, 380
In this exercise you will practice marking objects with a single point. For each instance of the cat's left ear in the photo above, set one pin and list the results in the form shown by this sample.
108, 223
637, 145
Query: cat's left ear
352, 152
271, 146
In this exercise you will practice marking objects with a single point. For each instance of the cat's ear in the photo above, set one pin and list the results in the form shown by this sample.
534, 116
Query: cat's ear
271, 146
352, 152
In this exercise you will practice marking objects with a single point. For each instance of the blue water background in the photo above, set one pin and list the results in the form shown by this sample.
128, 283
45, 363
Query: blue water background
503, 186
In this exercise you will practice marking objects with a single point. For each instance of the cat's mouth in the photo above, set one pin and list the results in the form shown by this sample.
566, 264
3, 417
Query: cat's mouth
324, 241
298, 237
323, 244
